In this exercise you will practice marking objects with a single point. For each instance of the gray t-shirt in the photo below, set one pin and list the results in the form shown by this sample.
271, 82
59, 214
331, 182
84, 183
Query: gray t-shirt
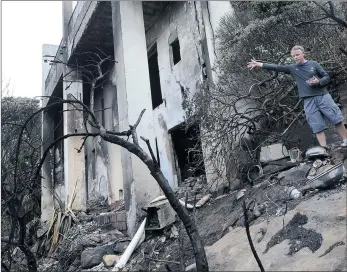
303, 72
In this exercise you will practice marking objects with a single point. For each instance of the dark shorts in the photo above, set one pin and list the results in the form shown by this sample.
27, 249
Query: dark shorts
320, 108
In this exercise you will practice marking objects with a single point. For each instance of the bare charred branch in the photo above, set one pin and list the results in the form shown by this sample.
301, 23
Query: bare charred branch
255, 254
331, 13
150, 149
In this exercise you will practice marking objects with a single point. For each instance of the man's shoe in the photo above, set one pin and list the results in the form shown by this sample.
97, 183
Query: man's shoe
344, 144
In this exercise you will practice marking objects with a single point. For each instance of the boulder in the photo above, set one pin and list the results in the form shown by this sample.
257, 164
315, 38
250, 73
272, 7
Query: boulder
91, 257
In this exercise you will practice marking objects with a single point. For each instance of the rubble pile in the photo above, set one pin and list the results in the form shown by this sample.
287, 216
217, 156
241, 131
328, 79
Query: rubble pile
277, 184
84, 247
196, 187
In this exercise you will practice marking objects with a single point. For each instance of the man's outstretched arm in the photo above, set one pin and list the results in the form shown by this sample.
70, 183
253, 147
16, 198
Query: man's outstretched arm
269, 66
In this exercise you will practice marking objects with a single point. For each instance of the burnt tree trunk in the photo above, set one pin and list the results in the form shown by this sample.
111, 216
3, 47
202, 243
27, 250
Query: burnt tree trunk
189, 224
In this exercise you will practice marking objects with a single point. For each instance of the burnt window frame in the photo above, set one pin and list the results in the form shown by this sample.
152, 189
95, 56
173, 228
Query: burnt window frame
175, 50
156, 91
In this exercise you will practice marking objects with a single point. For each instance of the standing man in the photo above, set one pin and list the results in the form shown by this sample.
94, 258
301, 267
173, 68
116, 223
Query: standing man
311, 80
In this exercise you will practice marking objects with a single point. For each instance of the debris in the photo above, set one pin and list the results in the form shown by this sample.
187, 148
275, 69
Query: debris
220, 197
91, 257
110, 260
273, 152
293, 175
295, 155
294, 193
203, 201
196, 187
162, 197
326, 179
316, 152
190, 267
254, 173
134, 242
174, 232
256, 210
159, 215
317, 163
189, 206
240, 194
316, 171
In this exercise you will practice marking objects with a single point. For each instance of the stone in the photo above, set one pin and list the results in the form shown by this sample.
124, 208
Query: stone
294, 175
240, 194
110, 236
121, 246
190, 267
110, 260
256, 211
89, 240
91, 257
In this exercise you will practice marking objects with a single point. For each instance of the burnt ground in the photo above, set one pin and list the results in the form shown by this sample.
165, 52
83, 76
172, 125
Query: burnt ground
298, 236
214, 219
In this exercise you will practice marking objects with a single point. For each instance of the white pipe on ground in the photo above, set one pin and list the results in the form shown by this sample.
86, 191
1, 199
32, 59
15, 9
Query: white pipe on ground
162, 197
131, 247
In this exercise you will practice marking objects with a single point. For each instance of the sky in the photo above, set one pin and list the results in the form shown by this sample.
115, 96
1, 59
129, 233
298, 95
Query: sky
26, 26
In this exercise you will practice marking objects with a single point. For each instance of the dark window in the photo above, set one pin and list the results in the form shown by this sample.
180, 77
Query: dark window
93, 164
176, 54
102, 112
154, 77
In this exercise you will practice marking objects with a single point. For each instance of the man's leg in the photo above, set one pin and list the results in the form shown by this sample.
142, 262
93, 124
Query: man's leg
333, 113
315, 119
341, 130
321, 139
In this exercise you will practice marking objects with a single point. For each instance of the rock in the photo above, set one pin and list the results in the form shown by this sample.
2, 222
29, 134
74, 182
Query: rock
240, 194
294, 194
110, 260
190, 267
74, 266
48, 264
174, 232
91, 257
294, 175
256, 211
317, 163
89, 240
97, 268
110, 236
121, 246
85, 217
